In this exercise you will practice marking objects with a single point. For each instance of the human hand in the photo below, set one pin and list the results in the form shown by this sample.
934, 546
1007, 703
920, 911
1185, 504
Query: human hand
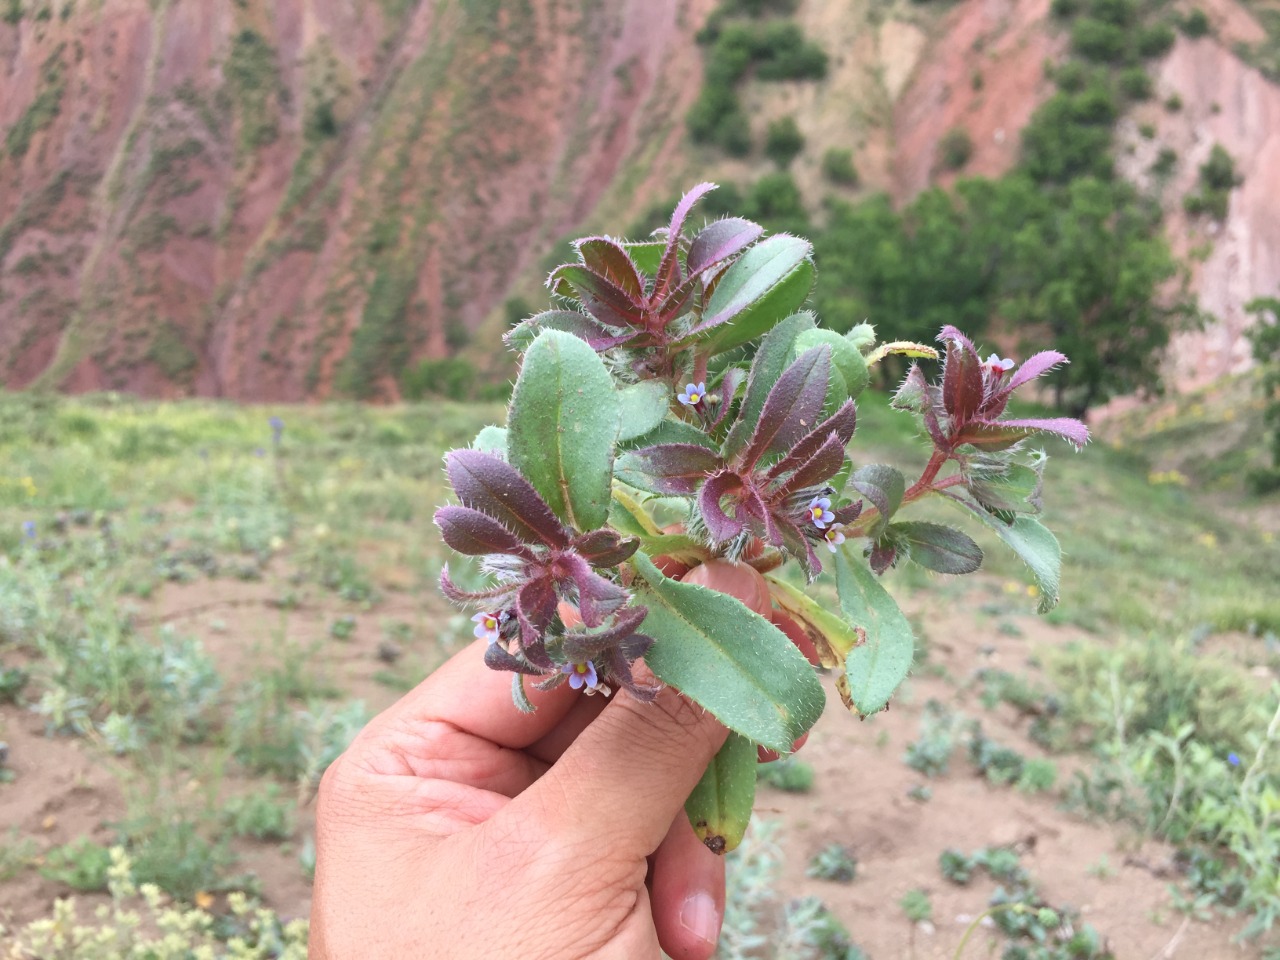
457, 828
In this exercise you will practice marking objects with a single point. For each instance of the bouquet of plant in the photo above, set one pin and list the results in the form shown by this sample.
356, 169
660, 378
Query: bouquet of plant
678, 435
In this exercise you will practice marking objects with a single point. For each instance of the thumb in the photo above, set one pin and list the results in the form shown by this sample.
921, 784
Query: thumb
624, 779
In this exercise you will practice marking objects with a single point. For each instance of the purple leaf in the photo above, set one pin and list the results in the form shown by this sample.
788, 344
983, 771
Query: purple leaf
535, 606
1035, 366
848, 513
669, 269
456, 594
492, 486
730, 384
670, 468
962, 384
994, 434
598, 598
607, 258
476, 534
798, 545
822, 466
604, 300
883, 555
720, 241
950, 333
620, 660
720, 526
842, 423
596, 334
793, 406
495, 658
913, 393
580, 646
605, 548
884, 486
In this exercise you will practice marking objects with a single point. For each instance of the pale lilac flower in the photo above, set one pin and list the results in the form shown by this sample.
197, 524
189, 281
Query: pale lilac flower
29, 529
694, 394
997, 366
486, 626
277, 430
820, 512
1233, 758
834, 536
581, 674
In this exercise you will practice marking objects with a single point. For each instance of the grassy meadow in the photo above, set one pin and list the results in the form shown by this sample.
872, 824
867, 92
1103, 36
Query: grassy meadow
198, 611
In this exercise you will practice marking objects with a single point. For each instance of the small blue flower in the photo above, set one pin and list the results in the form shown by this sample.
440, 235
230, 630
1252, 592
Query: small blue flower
820, 512
694, 394
486, 626
1233, 758
29, 529
277, 430
581, 674
834, 536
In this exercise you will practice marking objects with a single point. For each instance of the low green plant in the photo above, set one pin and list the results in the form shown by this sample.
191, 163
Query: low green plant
917, 905
783, 141
955, 148
81, 865
838, 168
1195, 24
834, 862
262, 815
790, 775
931, 753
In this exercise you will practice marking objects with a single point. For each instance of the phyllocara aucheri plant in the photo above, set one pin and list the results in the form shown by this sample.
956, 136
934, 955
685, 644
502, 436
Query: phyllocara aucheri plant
678, 433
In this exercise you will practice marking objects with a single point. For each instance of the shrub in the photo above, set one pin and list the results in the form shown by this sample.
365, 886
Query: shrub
835, 863
837, 167
956, 147
1099, 40
1136, 84
782, 53
1174, 103
775, 200
1064, 9
451, 377
262, 816
1155, 40
784, 141
1164, 162
1195, 24
81, 865
789, 775
1120, 13
1072, 76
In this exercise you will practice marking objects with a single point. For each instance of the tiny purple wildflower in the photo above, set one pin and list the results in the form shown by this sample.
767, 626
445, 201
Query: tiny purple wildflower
486, 626
820, 512
694, 394
997, 366
277, 430
581, 674
834, 536
29, 529
260, 452
1233, 758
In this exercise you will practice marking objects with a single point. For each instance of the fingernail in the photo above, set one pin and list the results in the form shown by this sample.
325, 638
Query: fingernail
701, 917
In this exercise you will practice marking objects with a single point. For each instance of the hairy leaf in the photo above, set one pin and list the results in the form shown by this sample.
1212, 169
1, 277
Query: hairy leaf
670, 431
841, 423
1016, 489
477, 534
845, 358
768, 282
884, 487
720, 806
902, 348
794, 406
672, 469
875, 669
668, 275
604, 548
595, 333
1035, 544
603, 299
719, 241
491, 440
644, 405
729, 660
940, 548
720, 526
772, 357
561, 428
606, 257
962, 385
490, 485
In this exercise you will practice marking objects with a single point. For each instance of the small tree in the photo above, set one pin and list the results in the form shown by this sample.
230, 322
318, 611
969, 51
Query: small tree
1265, 335
783, 142
955, 147
837, 166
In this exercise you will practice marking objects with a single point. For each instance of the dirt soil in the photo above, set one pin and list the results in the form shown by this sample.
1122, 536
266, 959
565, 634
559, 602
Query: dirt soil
66, 788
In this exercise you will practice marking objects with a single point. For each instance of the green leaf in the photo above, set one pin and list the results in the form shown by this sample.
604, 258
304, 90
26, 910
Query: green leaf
940, 548
1036, 545
884, 487
729, 659
491, 440
627, 516
845, 357
902, 348
669, 431
861, 336
646, 255
720, 806
644, 405
765, 284
876, 668
1017, 489
562, 425
772, 357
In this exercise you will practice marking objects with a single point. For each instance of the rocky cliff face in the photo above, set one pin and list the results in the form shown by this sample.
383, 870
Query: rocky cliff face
267, 199
282, 199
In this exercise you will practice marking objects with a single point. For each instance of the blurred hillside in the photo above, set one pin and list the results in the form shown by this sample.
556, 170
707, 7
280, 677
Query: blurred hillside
299, 198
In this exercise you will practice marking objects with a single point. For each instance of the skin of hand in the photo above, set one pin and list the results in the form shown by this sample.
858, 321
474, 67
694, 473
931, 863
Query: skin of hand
457, 828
